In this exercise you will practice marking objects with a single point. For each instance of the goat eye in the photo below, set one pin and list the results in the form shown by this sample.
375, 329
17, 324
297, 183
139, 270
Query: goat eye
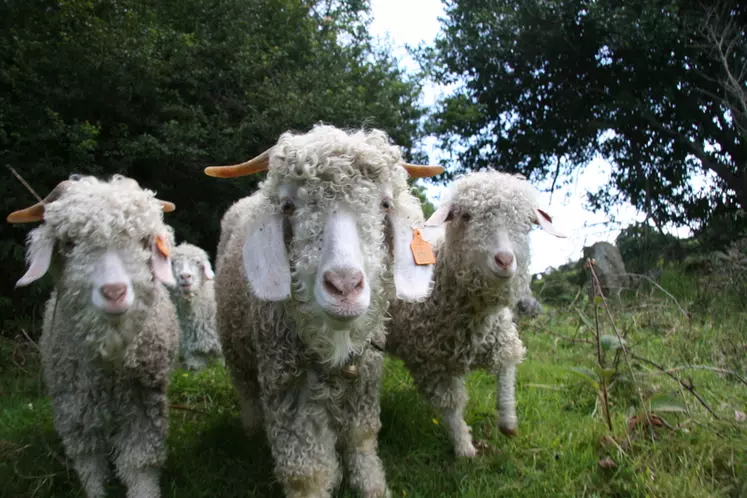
145, 243
287, 207
466, 216
386, 204
68, 245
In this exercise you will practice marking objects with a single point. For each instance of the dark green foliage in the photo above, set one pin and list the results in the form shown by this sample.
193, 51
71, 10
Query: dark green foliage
562, 285
157, 90
428, 207
547, 85
643, 248
722, 230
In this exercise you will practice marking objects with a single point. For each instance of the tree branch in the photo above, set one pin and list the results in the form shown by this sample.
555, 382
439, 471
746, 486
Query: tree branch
555, 178
725, 38
723, 172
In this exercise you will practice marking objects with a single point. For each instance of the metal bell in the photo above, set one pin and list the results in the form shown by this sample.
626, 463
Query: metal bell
350, 371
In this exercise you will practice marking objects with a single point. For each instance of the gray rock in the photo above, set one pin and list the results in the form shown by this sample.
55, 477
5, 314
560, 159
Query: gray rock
609, 267
529, 306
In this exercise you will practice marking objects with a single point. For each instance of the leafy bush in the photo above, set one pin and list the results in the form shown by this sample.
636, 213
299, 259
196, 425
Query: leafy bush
559, 286
644, 248
157, 90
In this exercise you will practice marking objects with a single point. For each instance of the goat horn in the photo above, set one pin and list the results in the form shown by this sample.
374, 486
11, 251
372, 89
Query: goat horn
167, 206
419, 171
255, 165
36, 212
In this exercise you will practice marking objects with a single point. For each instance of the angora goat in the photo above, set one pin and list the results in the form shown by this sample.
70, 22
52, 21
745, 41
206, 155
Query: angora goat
303, 280
194, 296
110, 330
466, 323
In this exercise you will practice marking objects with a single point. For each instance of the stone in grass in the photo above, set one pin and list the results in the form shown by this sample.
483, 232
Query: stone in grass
529, 306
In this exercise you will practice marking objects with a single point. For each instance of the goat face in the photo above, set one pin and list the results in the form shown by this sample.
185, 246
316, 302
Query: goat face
191, 268
488, 219
332, 244
106, 240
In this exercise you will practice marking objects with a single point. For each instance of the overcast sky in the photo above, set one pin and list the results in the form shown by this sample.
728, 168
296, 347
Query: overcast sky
414, 21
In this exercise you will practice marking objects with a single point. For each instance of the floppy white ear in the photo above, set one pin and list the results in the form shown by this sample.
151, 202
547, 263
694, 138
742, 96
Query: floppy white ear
207, 270
545, 222
434, 235
412, 281
440, 216
266, 259
160, 261
39, 257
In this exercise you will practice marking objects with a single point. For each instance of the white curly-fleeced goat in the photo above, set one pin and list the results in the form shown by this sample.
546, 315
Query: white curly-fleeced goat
110, 331
466, 323
194, 297
305, 269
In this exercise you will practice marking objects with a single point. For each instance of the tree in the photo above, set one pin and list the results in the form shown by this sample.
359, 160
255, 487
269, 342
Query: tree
655, 87
421, 193
159, 89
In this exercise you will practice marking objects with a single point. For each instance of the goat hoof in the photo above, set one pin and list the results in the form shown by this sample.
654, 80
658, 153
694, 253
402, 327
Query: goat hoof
466, 452
508, 431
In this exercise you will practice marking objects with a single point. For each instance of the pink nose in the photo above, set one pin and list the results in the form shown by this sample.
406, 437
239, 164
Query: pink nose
504, 259
343, 283
186, 276
113, 292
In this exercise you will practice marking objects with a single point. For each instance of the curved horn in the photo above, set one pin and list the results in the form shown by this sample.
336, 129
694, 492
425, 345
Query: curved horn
418, 171
36, 212
167, 206
132, 183
255, 165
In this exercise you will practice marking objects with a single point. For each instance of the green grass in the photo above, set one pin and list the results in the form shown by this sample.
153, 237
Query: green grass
562, 439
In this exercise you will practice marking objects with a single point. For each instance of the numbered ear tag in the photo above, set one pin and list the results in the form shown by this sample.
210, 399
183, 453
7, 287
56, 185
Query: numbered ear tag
421, 249
162, 246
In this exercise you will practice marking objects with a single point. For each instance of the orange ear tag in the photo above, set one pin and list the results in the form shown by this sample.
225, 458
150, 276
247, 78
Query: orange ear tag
162, 246
421, 249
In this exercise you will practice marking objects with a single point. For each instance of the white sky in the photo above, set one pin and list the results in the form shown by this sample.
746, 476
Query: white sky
410, 22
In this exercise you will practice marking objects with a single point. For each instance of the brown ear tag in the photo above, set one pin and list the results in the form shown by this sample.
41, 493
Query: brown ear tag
162, 246
421, 249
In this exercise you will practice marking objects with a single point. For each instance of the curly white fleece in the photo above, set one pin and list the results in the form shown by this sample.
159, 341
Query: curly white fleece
199, 343
467, 323
107, 377
283, 358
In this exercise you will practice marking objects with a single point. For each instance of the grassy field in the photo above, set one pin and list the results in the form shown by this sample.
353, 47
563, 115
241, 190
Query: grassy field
564, 447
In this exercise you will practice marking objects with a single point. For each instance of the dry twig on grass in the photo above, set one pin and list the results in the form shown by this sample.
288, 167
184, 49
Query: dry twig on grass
598, 291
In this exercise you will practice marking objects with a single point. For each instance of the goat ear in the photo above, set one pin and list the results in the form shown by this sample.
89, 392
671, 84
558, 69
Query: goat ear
160, 260
411, 281
266, 259
39, 257
207, 270
440, 216
545, 222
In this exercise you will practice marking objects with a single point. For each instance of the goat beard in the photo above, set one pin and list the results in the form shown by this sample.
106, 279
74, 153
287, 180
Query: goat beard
107, 336
334, 346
